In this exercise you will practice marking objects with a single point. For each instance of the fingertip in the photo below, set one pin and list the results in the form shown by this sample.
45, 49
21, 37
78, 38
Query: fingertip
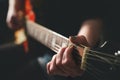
48, 64
72, 38
62, 50
69, 48
48, 67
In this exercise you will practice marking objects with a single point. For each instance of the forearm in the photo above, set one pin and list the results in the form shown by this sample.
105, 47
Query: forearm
91, 30
17, 5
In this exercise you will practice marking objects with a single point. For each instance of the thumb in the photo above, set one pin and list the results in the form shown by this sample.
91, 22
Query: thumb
79, 40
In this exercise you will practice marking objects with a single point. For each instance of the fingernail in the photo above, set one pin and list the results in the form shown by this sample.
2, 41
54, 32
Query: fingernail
73, 37
71, 46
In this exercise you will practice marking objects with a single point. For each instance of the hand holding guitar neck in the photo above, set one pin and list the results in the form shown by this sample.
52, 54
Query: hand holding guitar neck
64, 62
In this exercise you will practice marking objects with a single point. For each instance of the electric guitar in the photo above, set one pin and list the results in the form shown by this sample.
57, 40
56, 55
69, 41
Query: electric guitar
95, 63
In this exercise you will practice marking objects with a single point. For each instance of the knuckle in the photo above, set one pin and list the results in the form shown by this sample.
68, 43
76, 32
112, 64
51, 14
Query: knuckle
51, 70
58, 62
54, 56
66, 61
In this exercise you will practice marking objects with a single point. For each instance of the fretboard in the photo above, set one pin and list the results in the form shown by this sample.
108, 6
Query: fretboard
46, 36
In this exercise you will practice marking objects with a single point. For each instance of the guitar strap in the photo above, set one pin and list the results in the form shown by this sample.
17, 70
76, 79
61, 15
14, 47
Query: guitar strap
29, 14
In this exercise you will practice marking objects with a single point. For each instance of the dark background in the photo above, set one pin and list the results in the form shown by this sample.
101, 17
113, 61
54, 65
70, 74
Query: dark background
6, 35
111, 29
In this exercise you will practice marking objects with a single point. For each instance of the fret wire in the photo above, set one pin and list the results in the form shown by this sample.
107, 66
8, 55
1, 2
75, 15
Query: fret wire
59, 41
46, 36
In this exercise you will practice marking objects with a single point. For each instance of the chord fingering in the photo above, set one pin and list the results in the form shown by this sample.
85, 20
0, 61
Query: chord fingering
53, 40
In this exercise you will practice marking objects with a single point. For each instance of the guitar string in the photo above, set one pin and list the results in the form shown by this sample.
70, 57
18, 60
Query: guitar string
98, 73
110, 57
94, 74
105, 54
109, 65
107, 57
100, 57
95, 55
95, 59
94, 71
94, 68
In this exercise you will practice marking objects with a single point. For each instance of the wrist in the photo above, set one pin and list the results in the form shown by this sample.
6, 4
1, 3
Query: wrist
79, 40
17, 5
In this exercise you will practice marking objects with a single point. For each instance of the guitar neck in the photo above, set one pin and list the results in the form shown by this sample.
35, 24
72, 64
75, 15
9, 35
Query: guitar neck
53, 40
47, 37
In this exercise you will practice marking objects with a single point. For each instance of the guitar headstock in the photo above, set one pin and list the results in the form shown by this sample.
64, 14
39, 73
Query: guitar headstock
117, 53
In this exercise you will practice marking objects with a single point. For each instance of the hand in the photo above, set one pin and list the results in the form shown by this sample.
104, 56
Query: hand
15, 19
63, 63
